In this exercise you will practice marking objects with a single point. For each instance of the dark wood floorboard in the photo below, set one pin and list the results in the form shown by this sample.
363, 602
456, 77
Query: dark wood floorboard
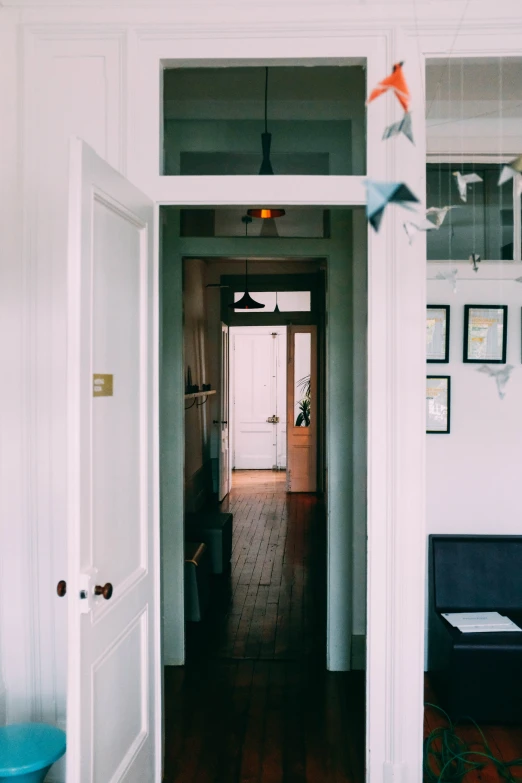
254, 702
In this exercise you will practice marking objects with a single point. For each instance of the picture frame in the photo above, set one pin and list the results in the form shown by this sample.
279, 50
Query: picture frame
438, 404
437, 334
485, 334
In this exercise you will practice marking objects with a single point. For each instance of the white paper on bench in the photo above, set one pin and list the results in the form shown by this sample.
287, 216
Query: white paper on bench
477, 622
490, 628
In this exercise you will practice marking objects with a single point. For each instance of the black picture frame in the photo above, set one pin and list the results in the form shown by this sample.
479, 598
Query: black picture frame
481, 360
447, 429
446, 308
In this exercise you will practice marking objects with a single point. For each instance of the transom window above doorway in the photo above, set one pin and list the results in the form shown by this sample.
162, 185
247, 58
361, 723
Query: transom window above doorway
283, 120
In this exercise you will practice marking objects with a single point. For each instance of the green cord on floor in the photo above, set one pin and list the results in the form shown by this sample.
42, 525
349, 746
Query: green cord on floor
448, 758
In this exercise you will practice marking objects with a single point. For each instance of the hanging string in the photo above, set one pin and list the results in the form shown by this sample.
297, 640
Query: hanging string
450, 175
452, 47
491, 113
266, 100
500, 147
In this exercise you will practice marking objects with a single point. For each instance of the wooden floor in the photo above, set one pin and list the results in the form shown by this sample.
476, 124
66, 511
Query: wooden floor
254, 703
505, 741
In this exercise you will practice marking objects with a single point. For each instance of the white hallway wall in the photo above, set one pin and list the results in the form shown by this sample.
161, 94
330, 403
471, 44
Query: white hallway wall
473, 474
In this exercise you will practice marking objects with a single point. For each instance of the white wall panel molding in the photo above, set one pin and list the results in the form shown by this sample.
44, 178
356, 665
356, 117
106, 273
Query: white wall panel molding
74, 83
16, 692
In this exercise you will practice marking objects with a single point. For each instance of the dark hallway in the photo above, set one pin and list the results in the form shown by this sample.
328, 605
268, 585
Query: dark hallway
254, 701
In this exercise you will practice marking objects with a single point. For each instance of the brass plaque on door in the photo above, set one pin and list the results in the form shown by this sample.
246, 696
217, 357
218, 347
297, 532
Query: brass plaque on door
102, 385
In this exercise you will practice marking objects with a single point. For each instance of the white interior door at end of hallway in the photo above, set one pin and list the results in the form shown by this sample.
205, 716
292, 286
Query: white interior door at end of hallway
301, 471
114, 675
256, 387
222, 423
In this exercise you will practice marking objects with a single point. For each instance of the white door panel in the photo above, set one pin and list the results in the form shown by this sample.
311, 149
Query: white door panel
114, 675
301, 475
259, 394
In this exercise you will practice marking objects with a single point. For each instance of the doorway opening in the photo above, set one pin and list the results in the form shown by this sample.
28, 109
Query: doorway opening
259, 636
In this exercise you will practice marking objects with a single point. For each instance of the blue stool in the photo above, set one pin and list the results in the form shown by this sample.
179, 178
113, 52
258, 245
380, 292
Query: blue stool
28, 751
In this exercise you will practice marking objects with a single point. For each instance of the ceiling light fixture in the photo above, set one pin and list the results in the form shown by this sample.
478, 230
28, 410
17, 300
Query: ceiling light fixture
266, 213
246, 302
276, 308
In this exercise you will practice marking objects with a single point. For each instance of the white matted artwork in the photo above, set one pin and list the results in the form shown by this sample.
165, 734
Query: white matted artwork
485, 333
437, 333
438, 402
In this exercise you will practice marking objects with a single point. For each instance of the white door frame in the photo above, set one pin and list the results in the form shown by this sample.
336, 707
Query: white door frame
395, 594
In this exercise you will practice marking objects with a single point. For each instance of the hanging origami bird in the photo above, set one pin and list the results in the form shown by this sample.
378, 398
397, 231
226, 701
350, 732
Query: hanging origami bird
450, 276
403, 126
438, 214
510, 170
475, 260
380, 194
395, 82
412, 229
501, 377
463, 180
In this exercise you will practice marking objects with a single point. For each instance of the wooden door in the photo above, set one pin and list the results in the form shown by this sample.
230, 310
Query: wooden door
223, 425
301, 472
114, 676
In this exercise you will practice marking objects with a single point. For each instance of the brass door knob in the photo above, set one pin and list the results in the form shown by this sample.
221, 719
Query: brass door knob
105, 590
61, 588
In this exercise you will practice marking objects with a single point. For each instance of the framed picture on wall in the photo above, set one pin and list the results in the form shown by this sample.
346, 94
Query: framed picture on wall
438, 404
485, 333
437, 333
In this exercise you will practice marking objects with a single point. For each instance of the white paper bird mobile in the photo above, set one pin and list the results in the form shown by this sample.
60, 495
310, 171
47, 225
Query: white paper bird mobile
380, 194
403, 126
501, 376
450, 276
475, 260
463, 180
510, 170
438, 214
412, 229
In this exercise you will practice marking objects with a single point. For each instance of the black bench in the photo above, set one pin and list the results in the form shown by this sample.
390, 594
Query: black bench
214, 528
476, 674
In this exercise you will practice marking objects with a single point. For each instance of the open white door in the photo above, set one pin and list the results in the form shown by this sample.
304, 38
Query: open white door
301, 471
114, 674
224, 444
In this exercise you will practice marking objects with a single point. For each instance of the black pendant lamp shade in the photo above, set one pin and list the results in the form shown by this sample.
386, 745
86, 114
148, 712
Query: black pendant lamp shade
266, 137
246, 302
276, 308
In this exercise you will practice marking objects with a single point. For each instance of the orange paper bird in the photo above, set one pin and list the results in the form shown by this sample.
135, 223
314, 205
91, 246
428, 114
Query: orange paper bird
395, 82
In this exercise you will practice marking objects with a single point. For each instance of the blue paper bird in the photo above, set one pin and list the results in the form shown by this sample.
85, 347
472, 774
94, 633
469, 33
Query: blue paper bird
380, 194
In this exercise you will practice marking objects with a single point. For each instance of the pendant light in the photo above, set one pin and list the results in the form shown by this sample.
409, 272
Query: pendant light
246, 302
266, 213
276, 308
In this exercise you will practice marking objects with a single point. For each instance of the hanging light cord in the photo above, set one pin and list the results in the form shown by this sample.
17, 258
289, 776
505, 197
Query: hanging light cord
266, 100
246, 258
